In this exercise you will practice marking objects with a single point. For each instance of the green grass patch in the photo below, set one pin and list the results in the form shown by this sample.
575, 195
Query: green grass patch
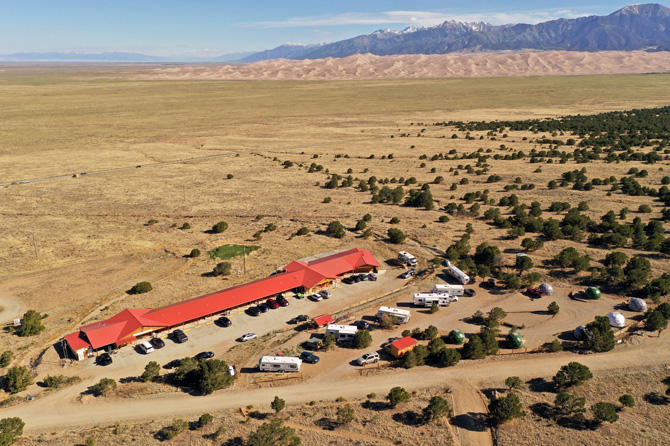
230, 251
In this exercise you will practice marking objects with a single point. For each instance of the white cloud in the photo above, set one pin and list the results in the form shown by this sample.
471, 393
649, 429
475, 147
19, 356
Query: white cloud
417, 18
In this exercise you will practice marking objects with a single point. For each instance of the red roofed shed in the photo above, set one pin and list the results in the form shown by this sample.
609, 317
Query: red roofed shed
402, 346
322, 320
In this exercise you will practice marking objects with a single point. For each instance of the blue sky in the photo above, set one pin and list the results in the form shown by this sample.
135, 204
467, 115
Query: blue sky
213, 27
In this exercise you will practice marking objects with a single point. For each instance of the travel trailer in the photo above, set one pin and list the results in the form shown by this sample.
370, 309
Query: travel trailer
427, 299
458, 275
342, 332
407, 258
402, 316
279, 364
451, 290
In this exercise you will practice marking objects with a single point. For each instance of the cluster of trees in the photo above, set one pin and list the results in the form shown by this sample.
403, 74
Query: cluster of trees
657, 319
435, 353
203, 375
437, 407
31, 323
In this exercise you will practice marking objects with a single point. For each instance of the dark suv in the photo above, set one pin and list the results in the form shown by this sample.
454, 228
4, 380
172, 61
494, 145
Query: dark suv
179, 336
104, 359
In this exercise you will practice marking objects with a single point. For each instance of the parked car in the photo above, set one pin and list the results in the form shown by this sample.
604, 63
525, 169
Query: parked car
372, 277
362, 325
535, 293
224, 321
282, 301
272, 304
264, 308
179, 336
204, 355
146, 347
309, 358
368, 358
248, 337
364, 277
469, 292
157, 343
492, 283
348, 280
325, 293
104, 359
315, 297
356, 278
253, 311
409, 273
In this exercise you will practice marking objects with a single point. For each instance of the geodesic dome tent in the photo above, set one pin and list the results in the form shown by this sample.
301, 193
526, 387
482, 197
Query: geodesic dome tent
457, 336
593, 293
547, 289
617, 319
515, 340
580, 332
637, 304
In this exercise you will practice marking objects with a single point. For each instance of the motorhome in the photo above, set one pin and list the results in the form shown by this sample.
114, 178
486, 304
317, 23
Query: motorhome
402, 316
342, 332
451, 290
427, 299
407, 258
458, 275
279, 364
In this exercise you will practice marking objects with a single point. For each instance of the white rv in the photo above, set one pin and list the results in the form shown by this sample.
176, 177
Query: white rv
407, 258
451, 290
427, 299
402, 316
279, 364
458, 275
342, 332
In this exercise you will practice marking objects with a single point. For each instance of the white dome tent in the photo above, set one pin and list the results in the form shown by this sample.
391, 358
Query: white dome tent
617, 319
637, 304
580, 332
547, 289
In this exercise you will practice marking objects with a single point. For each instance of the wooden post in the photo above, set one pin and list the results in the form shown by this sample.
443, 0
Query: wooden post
244, 256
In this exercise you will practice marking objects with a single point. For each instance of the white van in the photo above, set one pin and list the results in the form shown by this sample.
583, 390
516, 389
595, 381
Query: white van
146, 347
279, 364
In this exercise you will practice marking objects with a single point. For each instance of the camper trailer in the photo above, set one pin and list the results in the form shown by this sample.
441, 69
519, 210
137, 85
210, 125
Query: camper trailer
402, 316
279, 364
427, 299
451, 290
458, 275
342, 332
407, 258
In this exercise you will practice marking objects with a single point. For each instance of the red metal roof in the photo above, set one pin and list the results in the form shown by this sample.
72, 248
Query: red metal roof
119, 329
323, 320
403, 343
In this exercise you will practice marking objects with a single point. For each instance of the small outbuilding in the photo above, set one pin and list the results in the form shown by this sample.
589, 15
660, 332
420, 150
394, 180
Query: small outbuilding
617, 319
322, 320
637, 304
457, 337
402, 346
593, 293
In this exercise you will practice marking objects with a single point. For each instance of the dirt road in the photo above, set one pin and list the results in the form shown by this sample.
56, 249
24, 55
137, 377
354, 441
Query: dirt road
61, 410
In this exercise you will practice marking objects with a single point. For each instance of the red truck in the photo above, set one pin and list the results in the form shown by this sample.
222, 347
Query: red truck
535, 293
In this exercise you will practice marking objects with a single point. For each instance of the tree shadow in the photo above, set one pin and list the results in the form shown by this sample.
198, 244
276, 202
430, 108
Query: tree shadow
235, 441
543, 410
326, 424
377, 406
577, 422
540, 385
472, 421
408, 418
568, 335
656, 399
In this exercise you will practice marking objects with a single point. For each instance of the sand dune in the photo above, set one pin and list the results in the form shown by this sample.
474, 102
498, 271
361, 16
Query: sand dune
368, 66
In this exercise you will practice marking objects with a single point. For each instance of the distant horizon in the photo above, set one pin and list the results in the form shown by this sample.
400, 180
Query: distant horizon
205, 29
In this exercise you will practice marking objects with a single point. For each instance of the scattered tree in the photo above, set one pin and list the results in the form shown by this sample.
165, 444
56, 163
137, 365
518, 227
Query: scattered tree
17, 379
362, 339
105, 385
572, 374
151, 372
474, 349
222, 269
506, 408
204, 420
10, 430
396, 236
195, 252
604, 412
437, 407
345, 414
553, 308
6, 358
335, 229
177, 427
568, 404
219, 227
273, 433
277, 404
627, 400
141, 288
514, 383
329, 341
31, 323
396, 396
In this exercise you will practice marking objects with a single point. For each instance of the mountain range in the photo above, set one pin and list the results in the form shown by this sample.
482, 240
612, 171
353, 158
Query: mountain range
635, 27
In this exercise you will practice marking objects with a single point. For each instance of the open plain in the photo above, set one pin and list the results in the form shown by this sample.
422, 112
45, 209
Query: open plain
202, 151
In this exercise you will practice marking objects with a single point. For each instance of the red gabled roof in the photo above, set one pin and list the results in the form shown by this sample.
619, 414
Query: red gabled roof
119, 329
323, 320
403, 343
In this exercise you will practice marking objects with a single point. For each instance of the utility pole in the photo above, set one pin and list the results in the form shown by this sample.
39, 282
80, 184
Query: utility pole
244, 256
37, 255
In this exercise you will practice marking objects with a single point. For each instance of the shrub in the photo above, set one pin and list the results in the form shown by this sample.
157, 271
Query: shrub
31, 324
431, 332
151, 372
152, 222
553, 308
443, 219
335, 229
270, 227
362, 339
141, 288
396, 396
329, 341
273, 433
572, 374
195, 252
568, 404
10, 430
277, 404
604, 412
396, 236
627, 400
345, 414
655, 321
360, 225
446, 357
219, 227
437, 407
506, 408
17, 379
434, 308
394, 220
105, 385
204, 420
222, 269
55, 382
6, 358
388, 321
555, 346
644, 209
327, 200
177, 427
514, 382
302, 231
